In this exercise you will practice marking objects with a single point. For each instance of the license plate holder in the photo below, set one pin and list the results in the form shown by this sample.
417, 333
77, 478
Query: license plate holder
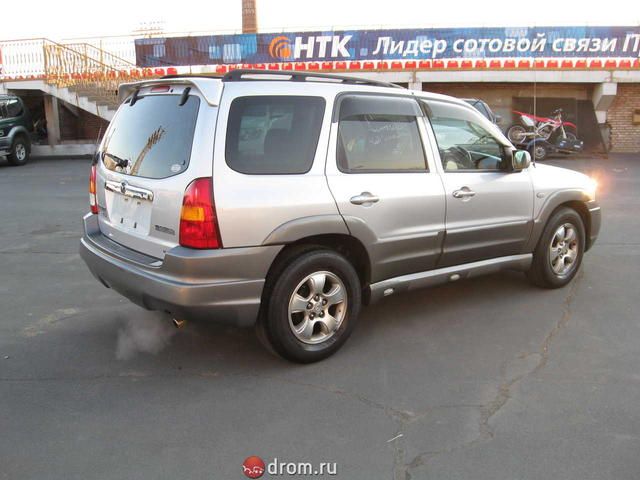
131, 214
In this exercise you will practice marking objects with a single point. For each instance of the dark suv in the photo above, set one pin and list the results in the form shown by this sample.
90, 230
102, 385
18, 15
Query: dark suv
16, 127
484, 108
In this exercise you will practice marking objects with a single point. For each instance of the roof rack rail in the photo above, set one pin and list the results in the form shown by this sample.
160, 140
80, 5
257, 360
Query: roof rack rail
191, 75
296, 76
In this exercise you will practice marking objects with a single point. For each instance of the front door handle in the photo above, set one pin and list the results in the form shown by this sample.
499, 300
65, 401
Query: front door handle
464, 192
365, 198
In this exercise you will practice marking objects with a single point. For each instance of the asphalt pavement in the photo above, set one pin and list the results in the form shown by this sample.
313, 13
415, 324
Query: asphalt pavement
489, 378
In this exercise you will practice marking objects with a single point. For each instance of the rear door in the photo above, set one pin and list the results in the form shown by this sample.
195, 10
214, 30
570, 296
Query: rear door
384, 183
145, 162
489, 207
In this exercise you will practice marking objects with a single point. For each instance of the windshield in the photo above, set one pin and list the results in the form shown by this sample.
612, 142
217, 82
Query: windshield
151, 138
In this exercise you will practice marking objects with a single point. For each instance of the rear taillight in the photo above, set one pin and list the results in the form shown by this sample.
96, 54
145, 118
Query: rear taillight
198, 222
93, 203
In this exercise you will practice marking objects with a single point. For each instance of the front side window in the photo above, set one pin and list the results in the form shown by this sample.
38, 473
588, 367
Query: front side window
463, 141
273, 134
379, 135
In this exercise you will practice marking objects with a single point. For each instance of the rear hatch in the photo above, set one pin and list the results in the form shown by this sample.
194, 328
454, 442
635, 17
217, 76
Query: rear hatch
145, 162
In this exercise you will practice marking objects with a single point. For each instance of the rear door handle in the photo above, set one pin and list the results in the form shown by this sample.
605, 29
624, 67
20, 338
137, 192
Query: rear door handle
464, 192
365, 198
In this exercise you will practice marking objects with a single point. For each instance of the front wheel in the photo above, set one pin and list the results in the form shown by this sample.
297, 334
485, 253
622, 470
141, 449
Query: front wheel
19, 152
559, 252
312, 306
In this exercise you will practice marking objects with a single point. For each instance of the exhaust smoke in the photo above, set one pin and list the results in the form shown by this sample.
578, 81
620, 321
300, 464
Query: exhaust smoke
148, 332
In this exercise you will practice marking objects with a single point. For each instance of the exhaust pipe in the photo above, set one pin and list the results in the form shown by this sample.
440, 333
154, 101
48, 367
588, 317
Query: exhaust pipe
178, 323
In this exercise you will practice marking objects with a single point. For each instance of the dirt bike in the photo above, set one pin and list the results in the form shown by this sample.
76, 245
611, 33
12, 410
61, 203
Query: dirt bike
544, 135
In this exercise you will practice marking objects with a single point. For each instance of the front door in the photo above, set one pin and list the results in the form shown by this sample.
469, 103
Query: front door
489, 207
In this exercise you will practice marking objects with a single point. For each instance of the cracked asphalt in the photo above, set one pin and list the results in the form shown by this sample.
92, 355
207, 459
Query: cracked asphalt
484, 379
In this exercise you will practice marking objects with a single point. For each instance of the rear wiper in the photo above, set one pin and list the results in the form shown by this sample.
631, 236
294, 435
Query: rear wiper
120, 162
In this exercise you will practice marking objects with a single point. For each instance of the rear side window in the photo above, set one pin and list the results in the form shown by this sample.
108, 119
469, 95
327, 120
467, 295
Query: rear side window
153, 137
273, 134
378, 134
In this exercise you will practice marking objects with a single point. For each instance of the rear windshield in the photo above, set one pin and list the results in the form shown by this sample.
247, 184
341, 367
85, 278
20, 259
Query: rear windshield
153, 137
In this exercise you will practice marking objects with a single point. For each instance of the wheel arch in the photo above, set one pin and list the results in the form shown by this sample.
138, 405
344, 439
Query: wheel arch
348, 246
576, 200
20, 131
585, 215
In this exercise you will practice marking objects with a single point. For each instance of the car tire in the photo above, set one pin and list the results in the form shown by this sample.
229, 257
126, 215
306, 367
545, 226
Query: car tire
516, 134
304, 319
19, 152
559, 252
539, 151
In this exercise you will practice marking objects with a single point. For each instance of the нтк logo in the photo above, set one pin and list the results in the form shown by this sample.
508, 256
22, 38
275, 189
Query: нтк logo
280, 47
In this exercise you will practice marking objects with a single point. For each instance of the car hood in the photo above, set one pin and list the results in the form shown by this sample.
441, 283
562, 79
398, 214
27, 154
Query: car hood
548, 180
548, 176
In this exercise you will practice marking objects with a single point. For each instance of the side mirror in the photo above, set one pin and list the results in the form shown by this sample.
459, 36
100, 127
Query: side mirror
498, 119
521, 160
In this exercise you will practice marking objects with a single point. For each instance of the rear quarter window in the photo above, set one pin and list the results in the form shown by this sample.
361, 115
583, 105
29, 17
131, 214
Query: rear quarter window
273, 134
153, 137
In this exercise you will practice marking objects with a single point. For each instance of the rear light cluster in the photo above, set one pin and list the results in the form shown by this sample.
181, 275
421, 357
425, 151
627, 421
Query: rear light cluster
93, 202
198, 221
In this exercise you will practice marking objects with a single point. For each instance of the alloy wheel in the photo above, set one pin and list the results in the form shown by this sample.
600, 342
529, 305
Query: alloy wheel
317, 307
21, 152
563, 250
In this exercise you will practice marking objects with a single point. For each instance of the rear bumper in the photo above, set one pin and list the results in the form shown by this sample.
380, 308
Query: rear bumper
223, 286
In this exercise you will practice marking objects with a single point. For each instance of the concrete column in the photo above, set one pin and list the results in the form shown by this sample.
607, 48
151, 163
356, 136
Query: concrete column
603, 96
52, 114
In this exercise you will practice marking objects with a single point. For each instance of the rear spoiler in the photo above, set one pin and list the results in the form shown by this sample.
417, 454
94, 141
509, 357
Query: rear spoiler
210, 88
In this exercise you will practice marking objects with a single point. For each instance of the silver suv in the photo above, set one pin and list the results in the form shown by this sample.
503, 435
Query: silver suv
287, 201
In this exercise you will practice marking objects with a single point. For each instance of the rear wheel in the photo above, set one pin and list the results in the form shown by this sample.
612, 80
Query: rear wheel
517, 134
19, 152
559, 252
312, 306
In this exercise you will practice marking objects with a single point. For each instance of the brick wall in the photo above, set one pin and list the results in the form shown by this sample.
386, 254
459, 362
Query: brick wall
625, 137
92, 127
80, 125
68, 123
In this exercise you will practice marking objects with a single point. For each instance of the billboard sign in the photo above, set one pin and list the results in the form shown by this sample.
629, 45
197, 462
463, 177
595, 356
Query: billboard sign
398, 44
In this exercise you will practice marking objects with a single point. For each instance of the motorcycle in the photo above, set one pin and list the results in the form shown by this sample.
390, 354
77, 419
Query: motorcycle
544, 135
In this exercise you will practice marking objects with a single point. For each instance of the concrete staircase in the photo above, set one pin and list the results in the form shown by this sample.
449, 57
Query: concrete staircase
79, 74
